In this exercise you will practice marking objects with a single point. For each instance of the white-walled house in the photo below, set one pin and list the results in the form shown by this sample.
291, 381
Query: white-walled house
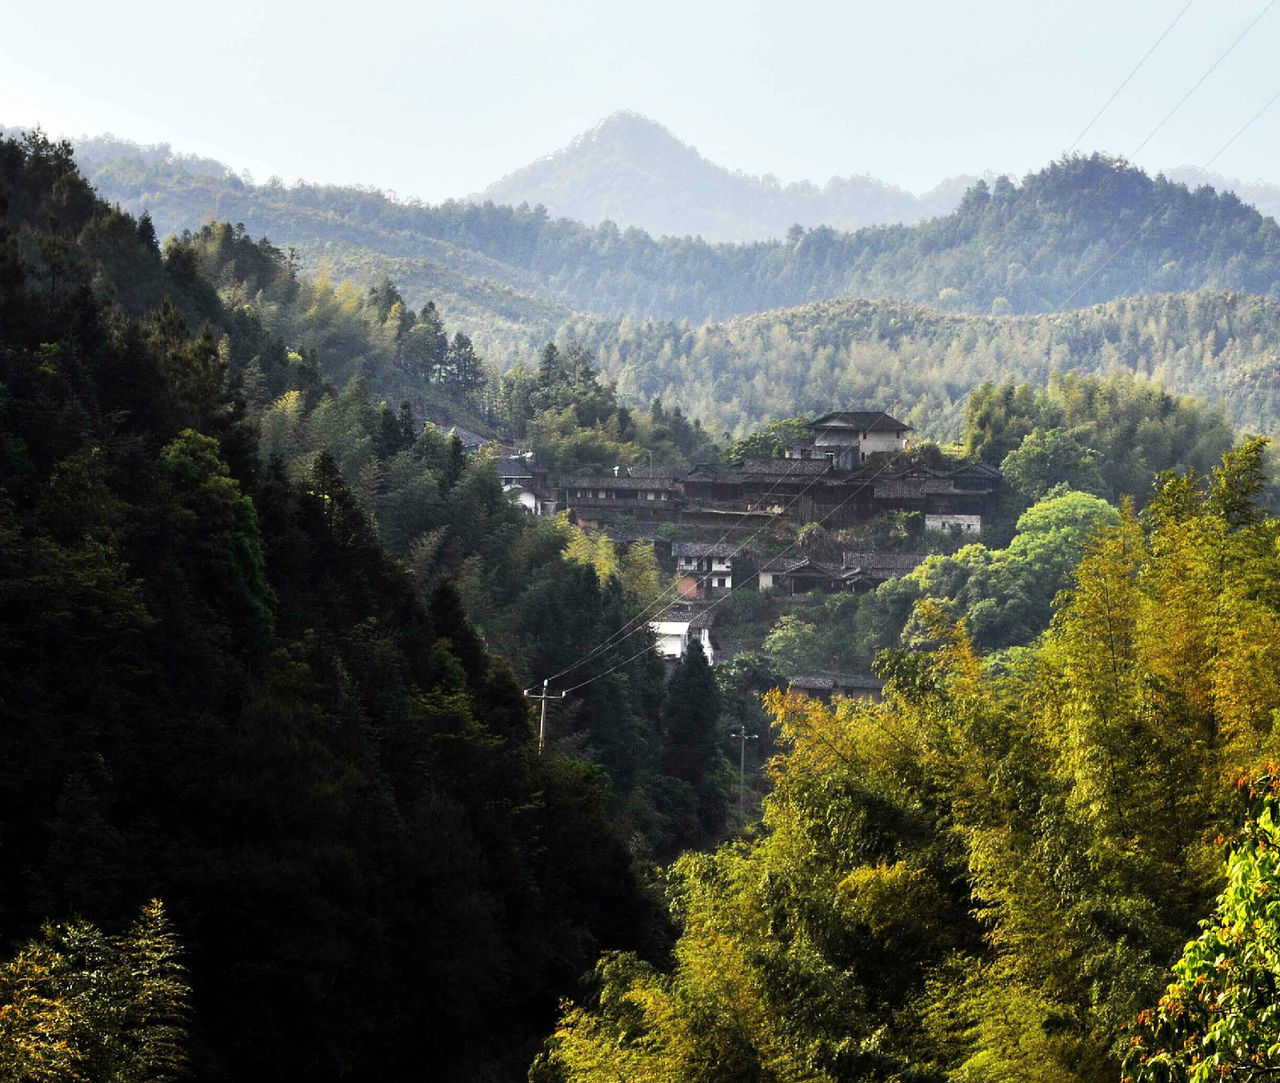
704, 569
524, 482
848, 438
674, 637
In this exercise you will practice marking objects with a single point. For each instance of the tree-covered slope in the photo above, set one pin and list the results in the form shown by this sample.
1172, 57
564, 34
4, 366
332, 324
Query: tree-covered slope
1079, 232
920, 363
221, 690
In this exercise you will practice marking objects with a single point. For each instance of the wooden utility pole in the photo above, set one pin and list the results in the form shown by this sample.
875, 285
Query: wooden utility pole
741, 735
545, 695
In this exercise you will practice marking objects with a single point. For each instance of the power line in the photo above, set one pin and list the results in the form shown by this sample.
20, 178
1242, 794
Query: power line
1212, 67
660, 605
1247, 125
642, 617
645, 617
733, 590
1111, 256
1116, 93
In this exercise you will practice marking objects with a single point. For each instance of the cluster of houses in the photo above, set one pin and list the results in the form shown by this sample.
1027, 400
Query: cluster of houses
845, 470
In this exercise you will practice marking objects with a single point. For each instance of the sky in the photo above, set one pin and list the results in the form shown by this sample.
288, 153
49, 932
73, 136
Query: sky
436, 101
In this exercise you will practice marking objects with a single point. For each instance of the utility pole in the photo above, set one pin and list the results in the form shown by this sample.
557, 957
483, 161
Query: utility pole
741, 735
542, 726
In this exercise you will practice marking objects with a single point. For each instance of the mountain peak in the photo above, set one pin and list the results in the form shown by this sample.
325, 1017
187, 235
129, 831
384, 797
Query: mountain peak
633, 171
633, 132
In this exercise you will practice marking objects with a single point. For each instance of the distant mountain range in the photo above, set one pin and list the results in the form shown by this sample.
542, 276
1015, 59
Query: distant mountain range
1078, 233
632, 171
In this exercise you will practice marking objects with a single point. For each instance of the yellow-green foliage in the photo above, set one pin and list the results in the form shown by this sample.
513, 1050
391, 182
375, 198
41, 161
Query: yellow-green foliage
985, 877
635, 565
79, 1005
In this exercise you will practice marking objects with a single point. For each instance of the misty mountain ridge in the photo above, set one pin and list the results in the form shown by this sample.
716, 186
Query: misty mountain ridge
632, 171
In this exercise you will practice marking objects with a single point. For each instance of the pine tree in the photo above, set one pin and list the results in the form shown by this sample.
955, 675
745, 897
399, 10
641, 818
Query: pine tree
692, 742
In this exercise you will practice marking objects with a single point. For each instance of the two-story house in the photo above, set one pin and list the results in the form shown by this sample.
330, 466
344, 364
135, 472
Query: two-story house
705, 570
849, 438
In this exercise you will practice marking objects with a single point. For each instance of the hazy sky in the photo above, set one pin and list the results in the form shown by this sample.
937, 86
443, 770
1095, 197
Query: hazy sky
437, 100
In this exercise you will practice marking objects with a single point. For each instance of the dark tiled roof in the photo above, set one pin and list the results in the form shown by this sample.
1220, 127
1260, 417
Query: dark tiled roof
862, 420
697, 616
608, 481
883, 565
782, 564
469, 439
795, 565
703, 549
913, 488
513, 467
836, 684
784, 468
656, 472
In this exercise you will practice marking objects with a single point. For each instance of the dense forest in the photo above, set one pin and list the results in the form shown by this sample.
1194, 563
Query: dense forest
921, 364
224, 693
1081, 231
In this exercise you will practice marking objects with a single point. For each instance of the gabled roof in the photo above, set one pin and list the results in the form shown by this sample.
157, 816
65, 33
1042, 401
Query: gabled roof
469, 439
782, 564
666, 473
801, 565
836, 684
882, 565
862, 420
608, 481
784, 468
915, 488
513, 466
703, 549
977, 470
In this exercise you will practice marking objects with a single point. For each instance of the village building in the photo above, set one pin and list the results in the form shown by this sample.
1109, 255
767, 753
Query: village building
679, 626
599, 498
849, 438
866, 571
847, 686
525, 484
704, 570
954, 500
856, 572
471, 441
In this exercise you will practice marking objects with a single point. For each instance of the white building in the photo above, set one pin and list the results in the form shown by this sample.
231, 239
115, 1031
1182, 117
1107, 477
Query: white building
849, 437
674, 636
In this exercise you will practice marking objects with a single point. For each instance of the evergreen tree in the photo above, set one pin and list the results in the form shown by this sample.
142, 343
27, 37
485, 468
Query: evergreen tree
692, 747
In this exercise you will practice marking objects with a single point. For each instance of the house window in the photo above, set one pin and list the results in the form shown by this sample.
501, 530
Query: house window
649, 495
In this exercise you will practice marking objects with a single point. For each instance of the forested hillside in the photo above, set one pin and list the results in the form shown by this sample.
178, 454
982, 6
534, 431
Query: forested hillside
1079, 232
633, 172
223, 691
921, 364
989, 875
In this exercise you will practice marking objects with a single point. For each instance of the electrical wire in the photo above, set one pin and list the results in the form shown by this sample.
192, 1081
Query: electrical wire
1247, 125
1212, 67
1116, 93
645, 616
733, 590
